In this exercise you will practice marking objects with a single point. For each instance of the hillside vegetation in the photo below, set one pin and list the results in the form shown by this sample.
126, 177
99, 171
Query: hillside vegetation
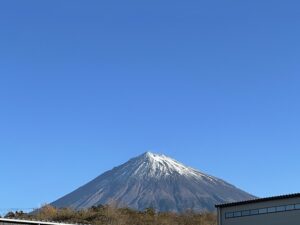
108, 215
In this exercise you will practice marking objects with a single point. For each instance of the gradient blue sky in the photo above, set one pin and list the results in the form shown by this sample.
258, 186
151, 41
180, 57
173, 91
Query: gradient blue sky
86, 85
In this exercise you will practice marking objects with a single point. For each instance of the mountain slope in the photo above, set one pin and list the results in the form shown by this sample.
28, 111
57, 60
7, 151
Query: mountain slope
152, 180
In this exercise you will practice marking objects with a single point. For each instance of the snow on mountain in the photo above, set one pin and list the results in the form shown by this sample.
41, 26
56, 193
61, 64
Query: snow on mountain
154, 180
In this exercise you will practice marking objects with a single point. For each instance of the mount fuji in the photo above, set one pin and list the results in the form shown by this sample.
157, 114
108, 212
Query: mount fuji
157, 181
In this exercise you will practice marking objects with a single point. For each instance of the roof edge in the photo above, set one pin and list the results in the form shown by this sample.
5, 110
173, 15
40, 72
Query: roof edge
33, 222
279, 197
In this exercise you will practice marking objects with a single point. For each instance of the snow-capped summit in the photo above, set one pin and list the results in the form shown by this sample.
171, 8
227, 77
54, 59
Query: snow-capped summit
154, 180
156, 165
164, 164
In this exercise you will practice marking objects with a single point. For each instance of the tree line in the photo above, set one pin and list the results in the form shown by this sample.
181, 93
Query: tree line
110, 215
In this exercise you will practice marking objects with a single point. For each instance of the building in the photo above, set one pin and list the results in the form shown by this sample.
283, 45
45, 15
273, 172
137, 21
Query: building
278, 210
4, 221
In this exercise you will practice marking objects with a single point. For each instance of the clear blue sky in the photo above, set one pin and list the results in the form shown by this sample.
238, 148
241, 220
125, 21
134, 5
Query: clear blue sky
86, 85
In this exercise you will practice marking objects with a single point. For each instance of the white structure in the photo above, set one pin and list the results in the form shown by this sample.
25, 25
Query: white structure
4, 221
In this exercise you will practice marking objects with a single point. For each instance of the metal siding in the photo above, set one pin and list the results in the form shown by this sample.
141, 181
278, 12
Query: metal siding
278, 218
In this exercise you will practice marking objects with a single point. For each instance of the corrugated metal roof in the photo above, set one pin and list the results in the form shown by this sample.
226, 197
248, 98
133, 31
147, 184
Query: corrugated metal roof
295, 195
34, 222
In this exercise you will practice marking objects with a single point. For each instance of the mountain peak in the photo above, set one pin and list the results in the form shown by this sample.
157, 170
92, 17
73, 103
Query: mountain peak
155, 165
150, 155
154, 180
154, 157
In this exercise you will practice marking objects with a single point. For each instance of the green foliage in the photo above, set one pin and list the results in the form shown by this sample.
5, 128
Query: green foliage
108, 215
